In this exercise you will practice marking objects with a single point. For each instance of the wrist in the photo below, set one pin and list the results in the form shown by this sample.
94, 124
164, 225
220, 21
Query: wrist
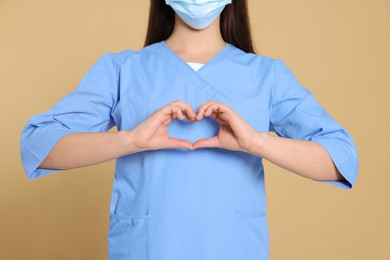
259, 143
127, 139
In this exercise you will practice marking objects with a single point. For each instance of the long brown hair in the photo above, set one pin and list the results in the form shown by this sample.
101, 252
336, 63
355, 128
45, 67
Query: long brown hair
234, 24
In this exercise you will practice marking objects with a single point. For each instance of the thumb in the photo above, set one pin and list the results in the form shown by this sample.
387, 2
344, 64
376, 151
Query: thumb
179, 143
207, 142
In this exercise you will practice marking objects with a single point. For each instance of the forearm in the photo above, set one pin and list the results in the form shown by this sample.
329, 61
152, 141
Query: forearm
87, 148
305, 158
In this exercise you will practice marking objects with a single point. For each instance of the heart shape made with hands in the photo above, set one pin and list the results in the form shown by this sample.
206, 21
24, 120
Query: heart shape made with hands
193, 130
215, 124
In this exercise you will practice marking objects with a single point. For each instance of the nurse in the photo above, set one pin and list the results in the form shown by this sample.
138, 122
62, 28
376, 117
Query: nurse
193, 109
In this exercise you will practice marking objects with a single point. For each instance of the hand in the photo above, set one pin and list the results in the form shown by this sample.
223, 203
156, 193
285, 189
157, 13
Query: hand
152, 134
234, 134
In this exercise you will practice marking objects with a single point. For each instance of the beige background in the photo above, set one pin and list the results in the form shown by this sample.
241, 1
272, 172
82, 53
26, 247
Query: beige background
338, 49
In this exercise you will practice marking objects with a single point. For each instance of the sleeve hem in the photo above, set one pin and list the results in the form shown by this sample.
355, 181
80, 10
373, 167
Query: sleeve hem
40, 149
347, 167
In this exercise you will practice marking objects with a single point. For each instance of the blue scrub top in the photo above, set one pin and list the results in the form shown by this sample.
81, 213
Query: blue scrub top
175, 204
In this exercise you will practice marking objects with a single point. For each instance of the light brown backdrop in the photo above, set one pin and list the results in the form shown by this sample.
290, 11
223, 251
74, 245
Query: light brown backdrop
338, 49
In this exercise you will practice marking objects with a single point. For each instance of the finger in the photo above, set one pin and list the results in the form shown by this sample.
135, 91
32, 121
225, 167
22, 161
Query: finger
218, 119
225, 112
177, 110
206, 143
215, 109
190, 113
210, 109
179, 143
168, 116
203, 108
205, 104
186, 109
170, 112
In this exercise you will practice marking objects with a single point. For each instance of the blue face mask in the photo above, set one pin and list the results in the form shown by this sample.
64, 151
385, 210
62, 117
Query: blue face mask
198, 13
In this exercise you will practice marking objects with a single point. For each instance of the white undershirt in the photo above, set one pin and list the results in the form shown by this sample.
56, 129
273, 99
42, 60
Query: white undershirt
196, 66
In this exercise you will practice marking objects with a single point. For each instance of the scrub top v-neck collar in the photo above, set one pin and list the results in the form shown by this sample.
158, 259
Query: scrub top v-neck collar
162, 50
213, 59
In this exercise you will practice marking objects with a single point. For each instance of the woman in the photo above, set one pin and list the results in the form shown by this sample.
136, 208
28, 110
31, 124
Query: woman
193, 110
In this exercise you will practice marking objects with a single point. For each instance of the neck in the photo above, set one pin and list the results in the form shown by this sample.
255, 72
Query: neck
195, 45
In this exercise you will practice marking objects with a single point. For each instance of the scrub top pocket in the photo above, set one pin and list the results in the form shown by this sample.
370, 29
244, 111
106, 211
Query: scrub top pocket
127, 238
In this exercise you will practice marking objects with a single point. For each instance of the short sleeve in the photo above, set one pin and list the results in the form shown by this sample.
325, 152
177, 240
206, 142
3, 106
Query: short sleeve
295, 113
88, 108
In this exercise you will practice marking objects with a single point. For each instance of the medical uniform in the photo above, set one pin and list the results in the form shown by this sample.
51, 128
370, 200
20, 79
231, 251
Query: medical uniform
177, 204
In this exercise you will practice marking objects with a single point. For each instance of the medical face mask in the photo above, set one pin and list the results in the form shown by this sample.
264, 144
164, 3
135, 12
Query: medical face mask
198, 13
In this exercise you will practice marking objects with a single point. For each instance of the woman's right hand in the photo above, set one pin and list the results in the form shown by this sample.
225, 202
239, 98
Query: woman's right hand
152, 134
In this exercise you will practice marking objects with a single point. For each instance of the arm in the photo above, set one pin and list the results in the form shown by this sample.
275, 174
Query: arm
309, 141
83, 149
85, 113
305, 158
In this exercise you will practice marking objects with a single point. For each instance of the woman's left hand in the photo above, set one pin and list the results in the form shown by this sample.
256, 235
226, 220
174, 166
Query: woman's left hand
234, 134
